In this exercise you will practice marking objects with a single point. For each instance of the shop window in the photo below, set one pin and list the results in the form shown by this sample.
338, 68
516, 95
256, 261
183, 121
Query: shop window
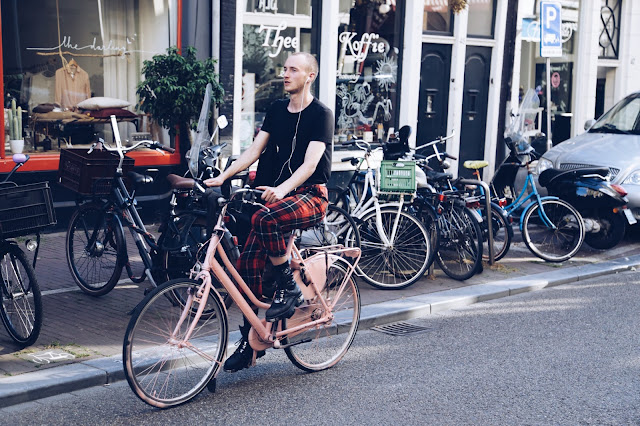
609, 37
369, 54
269, 36
437, 17
481, 18
60, 55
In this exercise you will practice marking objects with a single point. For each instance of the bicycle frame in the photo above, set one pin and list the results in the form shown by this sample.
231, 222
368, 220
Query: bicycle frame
522, 199
306, 271
363, 206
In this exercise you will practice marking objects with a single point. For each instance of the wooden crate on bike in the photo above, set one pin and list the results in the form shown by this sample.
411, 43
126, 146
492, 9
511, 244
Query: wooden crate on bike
25, 209
90, 173
397, 176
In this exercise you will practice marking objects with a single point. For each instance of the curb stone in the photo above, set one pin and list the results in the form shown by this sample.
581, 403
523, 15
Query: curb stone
72, 377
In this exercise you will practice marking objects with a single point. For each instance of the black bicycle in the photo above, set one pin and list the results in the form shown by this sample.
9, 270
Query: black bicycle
25, 210
95, 243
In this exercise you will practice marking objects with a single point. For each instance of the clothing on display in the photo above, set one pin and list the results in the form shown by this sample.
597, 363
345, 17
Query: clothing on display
72, 85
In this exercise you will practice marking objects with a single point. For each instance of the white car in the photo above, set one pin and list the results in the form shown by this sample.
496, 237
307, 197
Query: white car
613, 142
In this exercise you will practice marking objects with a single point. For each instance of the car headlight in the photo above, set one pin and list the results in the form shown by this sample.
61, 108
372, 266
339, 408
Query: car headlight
543, 164
632, 179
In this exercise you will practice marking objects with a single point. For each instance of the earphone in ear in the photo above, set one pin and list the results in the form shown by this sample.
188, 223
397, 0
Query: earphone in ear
308, 80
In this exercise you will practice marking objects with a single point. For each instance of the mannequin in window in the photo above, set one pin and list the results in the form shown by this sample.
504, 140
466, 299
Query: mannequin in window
72, 85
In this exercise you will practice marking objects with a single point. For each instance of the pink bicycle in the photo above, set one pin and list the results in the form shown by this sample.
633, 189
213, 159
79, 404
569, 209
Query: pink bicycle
176, 339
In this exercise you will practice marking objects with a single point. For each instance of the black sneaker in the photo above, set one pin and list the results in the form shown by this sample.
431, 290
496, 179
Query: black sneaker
284, 303
243, 356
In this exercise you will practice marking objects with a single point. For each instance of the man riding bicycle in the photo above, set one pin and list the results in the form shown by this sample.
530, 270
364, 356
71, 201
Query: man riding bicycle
294, 149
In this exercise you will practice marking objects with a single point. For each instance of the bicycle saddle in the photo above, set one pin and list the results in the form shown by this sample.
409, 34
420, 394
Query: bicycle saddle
439, 177
179, 182
475, 164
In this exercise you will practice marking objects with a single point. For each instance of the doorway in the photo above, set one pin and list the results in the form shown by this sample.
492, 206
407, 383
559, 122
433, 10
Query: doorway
474, 106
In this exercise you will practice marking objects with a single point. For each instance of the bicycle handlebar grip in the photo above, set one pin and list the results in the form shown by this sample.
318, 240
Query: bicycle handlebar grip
450, 156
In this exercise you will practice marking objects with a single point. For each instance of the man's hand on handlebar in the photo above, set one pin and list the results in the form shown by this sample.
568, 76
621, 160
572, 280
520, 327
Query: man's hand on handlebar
214, 181
271, 194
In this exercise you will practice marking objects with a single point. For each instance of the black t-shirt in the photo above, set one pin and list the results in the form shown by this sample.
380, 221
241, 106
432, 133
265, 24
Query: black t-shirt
316, 124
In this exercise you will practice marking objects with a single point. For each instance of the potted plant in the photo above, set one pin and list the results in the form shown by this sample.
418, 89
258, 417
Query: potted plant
173, 87
16, 141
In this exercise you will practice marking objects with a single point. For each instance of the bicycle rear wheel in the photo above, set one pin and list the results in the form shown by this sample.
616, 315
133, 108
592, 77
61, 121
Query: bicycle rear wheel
401, 262
161, 367
321, 347
21, 307
555, 243
460, 251
93, 243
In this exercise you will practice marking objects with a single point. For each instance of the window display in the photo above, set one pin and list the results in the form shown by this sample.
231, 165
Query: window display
369, 46
272, 30
71, 53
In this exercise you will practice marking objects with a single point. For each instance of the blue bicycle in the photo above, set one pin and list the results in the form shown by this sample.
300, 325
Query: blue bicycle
551, 228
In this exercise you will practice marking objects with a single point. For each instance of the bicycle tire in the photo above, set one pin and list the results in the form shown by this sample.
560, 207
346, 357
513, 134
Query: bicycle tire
160, 369
502, 234
553, 245
97, 269
460, 251
21, 307
430, 221
181, 247
406, 259
338, 197
322, 346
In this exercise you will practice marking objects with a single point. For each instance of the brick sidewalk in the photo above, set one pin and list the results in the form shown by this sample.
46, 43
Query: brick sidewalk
86, 327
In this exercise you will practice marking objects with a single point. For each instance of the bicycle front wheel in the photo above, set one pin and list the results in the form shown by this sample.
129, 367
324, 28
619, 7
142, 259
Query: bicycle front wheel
93, 242
502, 234
162, 368
322, 346
402, 260
21, 306
554, 232
460, 251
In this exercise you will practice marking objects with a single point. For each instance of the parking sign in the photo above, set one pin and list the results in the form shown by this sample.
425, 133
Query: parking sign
550, 29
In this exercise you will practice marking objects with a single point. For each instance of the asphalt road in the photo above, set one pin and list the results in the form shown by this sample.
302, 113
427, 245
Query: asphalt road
564, 355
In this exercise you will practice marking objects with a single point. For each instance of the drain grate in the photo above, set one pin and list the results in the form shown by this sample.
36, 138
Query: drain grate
400, 329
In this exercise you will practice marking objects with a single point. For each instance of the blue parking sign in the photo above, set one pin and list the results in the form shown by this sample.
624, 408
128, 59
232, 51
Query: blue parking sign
550, 29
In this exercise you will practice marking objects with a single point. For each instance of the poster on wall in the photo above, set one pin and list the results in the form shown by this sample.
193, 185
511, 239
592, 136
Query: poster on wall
561, 78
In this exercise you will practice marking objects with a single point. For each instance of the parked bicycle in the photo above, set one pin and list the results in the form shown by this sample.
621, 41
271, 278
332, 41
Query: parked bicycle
171, 352
455, 228
24, 210
396, 246
95, 243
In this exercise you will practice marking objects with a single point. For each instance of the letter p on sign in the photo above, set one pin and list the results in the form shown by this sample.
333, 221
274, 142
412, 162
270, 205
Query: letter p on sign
550, 29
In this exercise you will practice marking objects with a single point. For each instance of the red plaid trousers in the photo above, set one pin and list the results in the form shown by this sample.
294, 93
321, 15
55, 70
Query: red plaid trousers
306, 207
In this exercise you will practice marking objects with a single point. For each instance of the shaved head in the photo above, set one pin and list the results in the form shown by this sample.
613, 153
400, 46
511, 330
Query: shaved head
310, 61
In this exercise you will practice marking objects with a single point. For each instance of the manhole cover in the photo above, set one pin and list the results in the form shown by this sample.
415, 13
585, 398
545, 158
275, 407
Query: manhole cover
400, 329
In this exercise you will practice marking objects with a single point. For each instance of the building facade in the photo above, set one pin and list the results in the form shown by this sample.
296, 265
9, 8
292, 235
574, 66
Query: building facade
383, 64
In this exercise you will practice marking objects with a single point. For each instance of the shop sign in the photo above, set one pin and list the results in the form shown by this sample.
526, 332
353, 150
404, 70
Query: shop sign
360, 48
278, 41
111, 46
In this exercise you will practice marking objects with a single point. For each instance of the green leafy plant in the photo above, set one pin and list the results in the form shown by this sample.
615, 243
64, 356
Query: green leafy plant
174, 86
